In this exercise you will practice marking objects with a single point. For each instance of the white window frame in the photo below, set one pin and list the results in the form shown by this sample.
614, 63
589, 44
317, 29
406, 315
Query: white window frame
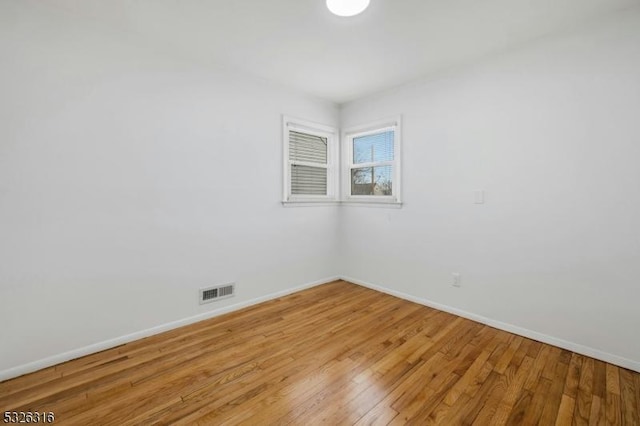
321, 130
348, 135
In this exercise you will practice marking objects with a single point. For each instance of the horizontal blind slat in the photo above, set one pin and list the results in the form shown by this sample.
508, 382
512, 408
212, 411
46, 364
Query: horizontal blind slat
307, 180
373, 148
305, 147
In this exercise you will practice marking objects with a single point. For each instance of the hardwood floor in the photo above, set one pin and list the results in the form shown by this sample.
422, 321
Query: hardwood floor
335, 354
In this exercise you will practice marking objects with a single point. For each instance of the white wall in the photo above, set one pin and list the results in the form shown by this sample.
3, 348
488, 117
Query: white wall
129, 179
551, 132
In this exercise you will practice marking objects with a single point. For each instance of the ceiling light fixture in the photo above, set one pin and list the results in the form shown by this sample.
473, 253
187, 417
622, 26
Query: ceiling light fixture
347, 7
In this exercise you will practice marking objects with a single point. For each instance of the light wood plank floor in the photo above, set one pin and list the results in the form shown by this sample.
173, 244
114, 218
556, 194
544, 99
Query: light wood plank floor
335, 354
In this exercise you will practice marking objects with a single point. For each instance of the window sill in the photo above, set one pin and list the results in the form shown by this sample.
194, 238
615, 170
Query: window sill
373, 203
346, 203
310, 203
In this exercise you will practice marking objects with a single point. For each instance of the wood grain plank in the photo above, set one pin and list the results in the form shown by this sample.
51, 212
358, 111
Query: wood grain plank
565, 412
585, 393
599, 378
554, 397
598, 414
628, 403
612, 409
573, 376
538, 398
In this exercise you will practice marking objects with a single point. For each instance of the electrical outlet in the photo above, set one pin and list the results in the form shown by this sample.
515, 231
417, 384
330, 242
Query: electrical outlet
457, 279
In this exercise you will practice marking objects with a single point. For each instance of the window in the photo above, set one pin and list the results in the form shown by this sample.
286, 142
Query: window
309, 162
372, 163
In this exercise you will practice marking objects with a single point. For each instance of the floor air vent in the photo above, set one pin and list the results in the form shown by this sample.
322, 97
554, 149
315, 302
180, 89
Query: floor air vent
211, 294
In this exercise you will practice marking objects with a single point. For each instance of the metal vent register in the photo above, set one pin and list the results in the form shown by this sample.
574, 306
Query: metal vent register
216, 293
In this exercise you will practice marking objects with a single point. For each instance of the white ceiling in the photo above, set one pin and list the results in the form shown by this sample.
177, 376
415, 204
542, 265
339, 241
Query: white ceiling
299, 44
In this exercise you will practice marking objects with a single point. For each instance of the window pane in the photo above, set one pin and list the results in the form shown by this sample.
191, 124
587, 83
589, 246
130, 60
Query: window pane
304, 147
373, 148
372, 181
307, 180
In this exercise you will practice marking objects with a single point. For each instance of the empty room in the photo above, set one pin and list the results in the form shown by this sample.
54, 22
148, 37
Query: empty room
301, 212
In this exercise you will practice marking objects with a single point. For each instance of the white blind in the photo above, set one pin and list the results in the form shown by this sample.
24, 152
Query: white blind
310, 148
307, 179
373, 148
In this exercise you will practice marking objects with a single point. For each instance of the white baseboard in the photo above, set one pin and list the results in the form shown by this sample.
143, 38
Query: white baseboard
564, 344
111, 343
